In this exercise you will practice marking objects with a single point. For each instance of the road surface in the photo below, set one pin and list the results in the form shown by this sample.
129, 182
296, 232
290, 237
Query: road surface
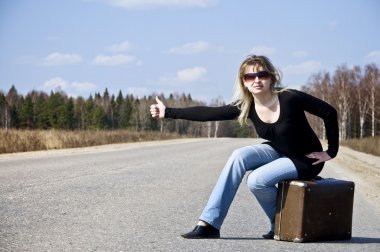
141, 197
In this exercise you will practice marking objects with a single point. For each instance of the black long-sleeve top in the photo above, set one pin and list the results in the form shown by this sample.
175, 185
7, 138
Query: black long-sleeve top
290, 135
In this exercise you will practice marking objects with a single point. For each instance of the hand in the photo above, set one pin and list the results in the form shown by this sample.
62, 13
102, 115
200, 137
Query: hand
158, 110
320, 156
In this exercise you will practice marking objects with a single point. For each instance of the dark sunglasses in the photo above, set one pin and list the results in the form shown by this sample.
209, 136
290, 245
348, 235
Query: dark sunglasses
263, 75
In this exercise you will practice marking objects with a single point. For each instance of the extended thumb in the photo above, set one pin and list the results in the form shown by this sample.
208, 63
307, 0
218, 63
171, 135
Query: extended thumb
158, 100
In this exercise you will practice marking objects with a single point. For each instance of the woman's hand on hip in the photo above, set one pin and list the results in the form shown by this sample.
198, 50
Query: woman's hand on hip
158, 110
321, 156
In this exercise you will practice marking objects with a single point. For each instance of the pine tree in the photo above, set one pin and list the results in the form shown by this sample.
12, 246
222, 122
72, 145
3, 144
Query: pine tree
26, 113
79, 113
55, 109
41, 111
118, 109
125, 115
99, 118
89, 108
3, 107
70, 115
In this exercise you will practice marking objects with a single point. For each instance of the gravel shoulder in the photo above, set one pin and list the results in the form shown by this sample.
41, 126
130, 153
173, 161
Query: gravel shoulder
364, 170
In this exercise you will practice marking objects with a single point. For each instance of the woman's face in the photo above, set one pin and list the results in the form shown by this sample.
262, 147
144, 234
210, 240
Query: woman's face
256, 79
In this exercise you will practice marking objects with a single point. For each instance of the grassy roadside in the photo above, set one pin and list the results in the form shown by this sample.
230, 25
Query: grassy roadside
370, 145
12, 141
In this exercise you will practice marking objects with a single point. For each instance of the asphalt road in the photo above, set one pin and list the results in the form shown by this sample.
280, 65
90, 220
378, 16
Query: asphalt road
141, 197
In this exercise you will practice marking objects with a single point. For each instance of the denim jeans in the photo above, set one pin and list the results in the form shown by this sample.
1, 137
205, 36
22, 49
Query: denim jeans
268, 168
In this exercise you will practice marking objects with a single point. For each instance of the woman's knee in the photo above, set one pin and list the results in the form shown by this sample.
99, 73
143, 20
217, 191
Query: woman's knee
247, 153
256, 183
239, 155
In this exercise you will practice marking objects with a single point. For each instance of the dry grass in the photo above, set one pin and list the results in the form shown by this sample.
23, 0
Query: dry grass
369, 145
32, 140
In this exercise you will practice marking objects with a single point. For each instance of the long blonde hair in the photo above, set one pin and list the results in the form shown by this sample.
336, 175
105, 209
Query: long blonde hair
242, 96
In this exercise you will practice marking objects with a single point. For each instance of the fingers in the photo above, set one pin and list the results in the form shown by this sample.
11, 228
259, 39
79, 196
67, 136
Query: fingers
315, 155
319, 161
158, 110
320, 156
154, 110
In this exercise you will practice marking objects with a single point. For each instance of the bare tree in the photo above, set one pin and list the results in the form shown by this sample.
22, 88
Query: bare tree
216, 103
362, 101
343, 91
12, 101
319, 86
372, 79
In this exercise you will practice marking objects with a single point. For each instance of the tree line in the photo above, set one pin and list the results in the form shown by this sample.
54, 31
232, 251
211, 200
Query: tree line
39, 110
354, 92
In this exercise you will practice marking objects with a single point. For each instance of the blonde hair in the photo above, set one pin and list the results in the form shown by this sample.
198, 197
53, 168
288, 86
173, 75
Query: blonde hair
242, 96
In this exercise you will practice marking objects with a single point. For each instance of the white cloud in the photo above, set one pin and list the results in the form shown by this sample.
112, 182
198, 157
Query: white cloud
148, 4
122, 47
373, 56
191, 74
191, 48
186, 75
58, 59
306, 67
263, 50
115, 60
58, 83
83, 86
300, 54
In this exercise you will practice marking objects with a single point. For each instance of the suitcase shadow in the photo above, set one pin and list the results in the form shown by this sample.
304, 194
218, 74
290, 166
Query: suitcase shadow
357, 240
353, 240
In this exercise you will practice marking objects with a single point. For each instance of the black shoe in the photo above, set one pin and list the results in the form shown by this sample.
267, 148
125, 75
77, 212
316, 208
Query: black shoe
201, 232
269, 235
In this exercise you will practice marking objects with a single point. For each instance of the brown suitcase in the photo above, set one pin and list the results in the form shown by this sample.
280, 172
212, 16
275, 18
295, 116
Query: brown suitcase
314, 210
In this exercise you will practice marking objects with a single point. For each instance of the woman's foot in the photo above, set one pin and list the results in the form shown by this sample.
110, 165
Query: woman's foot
202, 232
269, 235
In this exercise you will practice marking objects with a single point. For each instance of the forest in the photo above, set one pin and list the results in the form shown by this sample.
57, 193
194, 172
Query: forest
353, 91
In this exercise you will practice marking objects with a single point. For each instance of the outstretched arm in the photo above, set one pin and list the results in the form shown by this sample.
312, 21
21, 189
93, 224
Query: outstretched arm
198, 113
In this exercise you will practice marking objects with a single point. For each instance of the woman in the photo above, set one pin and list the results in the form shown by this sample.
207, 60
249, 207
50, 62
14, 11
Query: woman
293, 150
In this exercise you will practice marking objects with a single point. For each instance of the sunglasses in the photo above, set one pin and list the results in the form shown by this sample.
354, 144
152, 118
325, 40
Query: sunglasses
251, 77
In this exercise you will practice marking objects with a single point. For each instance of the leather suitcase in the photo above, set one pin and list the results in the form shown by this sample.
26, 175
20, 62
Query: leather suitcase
314, 210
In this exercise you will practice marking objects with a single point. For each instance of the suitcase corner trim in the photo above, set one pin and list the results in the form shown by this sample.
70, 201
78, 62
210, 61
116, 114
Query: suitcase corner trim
298, 183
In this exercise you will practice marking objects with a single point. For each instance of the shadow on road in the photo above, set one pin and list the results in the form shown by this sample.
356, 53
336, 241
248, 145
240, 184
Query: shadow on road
358, 240
353, 240
241, 238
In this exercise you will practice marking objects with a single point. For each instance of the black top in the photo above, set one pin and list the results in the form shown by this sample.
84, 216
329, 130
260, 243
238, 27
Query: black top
290, 135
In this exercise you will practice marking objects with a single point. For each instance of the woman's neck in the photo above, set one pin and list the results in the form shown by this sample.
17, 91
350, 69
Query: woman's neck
265, 99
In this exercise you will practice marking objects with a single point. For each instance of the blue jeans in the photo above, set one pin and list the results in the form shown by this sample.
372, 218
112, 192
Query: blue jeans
268, 168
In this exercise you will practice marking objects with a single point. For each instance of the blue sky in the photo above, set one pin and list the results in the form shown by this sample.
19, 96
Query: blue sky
167, 46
